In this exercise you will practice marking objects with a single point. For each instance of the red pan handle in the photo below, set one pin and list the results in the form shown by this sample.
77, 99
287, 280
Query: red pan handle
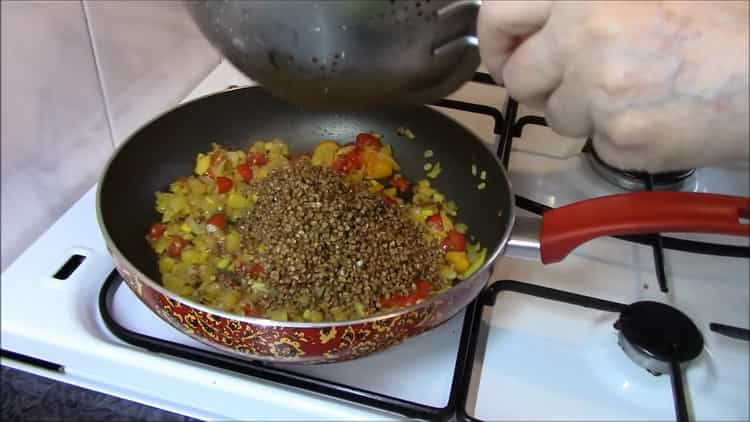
567, 227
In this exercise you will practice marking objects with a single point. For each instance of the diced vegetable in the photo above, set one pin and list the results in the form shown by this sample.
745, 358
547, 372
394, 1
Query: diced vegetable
481, 186
324, 153
223, 184
233, 241
156, 231
375, 186
360, 309
227, 298
454, 241
248, 310
312, 315
217, 221
476, 261
202, 163
447, 223
175, 248
245, 171
367, 140
166, 264
278, 314
400, 183
277, 146
377, 164
458, 259
423, 290
435, 171
257, 158
348, 161
236, 200
435, 221
405, 132
192, 256
429, 153
177, 284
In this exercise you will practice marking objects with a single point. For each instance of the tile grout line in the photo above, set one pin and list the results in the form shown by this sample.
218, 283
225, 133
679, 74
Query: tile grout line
97, 67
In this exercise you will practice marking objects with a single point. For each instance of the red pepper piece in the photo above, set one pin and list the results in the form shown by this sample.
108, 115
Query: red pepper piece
175, 248
435, 221
217, 220
454, 241
365, 140
423, 289
400, 183
245, 171
156, 231
257, 158
224, 184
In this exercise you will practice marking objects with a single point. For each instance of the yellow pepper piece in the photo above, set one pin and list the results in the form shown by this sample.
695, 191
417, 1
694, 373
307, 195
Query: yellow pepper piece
347, 150
192, 256
378, 168
324, 153
312, 315
447, 223
476, 262
166, 264
235, 200
375, 186
278, 314
202, 163
459, 260
224, 262
355, 177
390, 192
233, 241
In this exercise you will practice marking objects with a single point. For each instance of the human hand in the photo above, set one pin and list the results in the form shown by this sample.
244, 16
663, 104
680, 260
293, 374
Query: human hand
658, 86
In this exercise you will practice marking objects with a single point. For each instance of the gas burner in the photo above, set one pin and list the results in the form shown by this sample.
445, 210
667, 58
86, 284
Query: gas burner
636, 181
655, 336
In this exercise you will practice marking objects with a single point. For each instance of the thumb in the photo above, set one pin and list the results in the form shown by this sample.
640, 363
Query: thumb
503, 25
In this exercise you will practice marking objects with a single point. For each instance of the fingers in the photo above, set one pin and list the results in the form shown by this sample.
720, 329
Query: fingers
503, 25
568, 109
534, 69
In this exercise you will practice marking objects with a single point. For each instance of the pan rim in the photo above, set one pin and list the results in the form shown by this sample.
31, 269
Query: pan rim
265, 322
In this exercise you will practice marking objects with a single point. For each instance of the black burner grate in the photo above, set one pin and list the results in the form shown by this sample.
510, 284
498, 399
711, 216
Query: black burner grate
490, 295
267, 372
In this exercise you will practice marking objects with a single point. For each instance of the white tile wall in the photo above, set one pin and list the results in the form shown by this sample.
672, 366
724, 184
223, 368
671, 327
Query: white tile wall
150, 55
55, 137
56, 132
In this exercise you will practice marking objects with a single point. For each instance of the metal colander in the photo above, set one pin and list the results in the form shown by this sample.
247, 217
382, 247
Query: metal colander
347, 53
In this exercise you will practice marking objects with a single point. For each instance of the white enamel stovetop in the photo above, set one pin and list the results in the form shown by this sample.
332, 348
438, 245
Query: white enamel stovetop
542, 360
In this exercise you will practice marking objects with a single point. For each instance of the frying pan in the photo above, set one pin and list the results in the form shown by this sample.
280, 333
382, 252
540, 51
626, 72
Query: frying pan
165, 149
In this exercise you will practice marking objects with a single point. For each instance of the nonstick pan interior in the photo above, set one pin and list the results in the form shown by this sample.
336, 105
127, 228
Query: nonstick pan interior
165, 149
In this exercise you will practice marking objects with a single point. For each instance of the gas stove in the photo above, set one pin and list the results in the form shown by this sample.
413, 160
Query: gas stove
581, 339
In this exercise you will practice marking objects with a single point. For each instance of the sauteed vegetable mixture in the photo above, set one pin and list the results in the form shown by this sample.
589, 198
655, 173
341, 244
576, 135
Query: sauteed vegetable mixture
335, 234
